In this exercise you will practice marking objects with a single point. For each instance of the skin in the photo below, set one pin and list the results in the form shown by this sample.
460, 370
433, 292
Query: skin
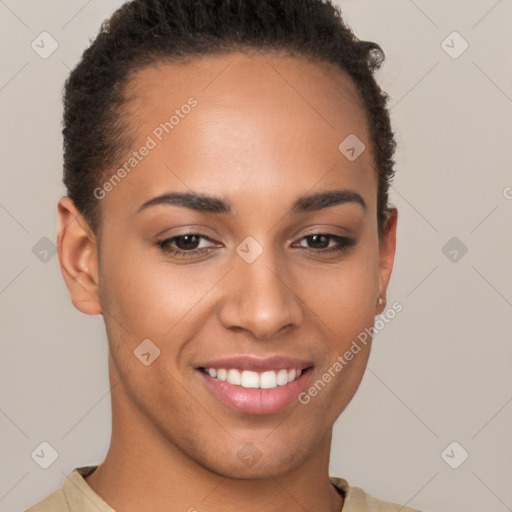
265, 131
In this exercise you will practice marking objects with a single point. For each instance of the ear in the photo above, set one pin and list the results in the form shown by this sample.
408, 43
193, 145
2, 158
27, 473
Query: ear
387, 254
78, 258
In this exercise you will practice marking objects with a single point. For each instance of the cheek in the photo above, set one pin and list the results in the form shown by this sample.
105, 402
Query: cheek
151, 297
346, 312
344, 296
344, 300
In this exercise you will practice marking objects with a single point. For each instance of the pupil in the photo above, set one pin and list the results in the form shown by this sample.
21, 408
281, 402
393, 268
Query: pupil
191, 239
316, 238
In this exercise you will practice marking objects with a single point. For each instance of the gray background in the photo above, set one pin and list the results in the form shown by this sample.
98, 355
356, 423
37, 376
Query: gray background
439, 372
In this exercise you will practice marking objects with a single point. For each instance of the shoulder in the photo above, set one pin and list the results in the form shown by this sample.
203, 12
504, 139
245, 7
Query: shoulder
357, 500
55, 502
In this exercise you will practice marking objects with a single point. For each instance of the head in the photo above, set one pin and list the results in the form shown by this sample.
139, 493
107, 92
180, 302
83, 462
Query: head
227, 167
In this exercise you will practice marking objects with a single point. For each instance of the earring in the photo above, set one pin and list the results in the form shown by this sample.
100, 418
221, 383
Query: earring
381, 304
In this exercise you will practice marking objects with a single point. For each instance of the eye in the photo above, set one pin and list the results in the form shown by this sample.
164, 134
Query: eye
185, 246
191, 245
321, 243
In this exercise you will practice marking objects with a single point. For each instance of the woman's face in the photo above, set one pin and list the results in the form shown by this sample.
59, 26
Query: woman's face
260, 273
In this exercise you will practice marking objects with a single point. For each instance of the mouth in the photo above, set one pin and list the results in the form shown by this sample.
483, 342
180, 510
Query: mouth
254, 380
259, 389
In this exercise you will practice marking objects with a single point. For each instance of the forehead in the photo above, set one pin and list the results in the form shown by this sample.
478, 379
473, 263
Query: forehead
240, 82
256, 120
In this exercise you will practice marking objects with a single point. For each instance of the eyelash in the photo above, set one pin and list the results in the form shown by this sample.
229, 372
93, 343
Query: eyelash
344, 244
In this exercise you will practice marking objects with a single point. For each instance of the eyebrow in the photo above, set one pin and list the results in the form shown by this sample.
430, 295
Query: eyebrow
209, 204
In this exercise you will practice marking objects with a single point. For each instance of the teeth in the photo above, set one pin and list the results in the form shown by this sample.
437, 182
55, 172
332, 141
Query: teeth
234, 377
282, 377
268, 380
249, 379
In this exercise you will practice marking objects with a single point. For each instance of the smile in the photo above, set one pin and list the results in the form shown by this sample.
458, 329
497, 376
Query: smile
251, 379
251, 392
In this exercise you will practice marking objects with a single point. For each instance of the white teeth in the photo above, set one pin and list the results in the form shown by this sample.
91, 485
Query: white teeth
233, 377
268, 380
249, 379
282, 377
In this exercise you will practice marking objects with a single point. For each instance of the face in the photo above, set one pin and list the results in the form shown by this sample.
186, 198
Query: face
249, 294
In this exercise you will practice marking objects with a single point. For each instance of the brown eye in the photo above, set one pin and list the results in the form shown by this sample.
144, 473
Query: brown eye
186, 245
321, 243
187, 242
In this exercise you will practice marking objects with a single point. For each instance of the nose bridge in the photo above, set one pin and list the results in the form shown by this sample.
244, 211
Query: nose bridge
259, 299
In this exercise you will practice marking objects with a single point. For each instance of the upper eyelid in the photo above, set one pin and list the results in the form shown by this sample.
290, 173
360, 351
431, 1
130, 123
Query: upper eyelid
170, 239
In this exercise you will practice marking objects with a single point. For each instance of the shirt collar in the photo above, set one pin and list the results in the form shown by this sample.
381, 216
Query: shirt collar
80, 495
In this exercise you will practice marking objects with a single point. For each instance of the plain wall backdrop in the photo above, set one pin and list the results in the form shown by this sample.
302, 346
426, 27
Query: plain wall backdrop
439, 373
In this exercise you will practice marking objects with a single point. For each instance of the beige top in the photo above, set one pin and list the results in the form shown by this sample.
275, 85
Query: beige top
76, 495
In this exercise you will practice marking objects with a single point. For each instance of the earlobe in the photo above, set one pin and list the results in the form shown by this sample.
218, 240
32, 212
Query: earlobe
387, 252
78, 258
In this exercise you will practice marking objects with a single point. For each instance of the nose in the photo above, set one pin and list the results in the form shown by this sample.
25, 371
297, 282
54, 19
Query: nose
259, 299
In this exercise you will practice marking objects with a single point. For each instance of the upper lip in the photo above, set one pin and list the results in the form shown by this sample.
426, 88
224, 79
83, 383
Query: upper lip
257, 364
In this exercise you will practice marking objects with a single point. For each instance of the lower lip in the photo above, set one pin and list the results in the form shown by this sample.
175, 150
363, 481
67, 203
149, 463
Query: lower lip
256, 400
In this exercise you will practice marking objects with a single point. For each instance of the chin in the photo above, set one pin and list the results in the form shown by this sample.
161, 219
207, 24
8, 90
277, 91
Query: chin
259, 471
249, 463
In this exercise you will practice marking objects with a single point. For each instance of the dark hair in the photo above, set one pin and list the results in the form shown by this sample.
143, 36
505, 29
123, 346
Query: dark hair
142, 32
